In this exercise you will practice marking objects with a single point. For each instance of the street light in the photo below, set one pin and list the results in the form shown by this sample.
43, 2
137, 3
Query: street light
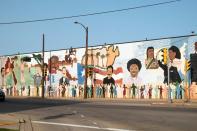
86, 59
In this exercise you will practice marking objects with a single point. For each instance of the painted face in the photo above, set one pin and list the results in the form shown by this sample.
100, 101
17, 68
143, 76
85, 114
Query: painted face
109, 71
54, 63
172, 55
134, 70
64, 71
150, 53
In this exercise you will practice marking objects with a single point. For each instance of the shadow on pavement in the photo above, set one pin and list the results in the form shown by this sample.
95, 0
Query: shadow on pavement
58, 116
16, 104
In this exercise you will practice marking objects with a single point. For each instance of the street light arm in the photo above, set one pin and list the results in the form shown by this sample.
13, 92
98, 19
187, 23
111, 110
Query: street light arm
76, 22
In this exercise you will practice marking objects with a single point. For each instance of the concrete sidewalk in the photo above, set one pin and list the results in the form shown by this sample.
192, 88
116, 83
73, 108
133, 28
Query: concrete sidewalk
111, 101
146, 102
15, 122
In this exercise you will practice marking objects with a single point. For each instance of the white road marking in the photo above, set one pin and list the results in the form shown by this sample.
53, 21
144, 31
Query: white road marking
80, 126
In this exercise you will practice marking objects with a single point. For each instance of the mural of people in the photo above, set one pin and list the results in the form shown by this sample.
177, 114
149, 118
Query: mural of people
193, 60
160, 92
122, 56
102, 57
103, 90
134, 66
133, 87
150, 92
142, 92
3, 80
193, 76
63, 82
2, 77
70, 56
17, 72
89, 85
10, 76
174, 65
53, 66
124, 91
37, 82
109, 80
150, 61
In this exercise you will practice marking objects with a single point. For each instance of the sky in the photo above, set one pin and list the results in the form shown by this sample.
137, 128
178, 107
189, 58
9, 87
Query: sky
174, 19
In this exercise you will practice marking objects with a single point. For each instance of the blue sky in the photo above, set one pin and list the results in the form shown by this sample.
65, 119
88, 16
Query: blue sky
173, 19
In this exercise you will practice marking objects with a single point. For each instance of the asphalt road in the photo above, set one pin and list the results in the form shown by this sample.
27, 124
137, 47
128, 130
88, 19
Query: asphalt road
90, 115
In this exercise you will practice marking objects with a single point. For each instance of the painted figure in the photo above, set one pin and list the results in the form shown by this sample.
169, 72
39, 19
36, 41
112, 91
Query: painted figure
174, 65
109, 80
63, 82
150, 61
134, 66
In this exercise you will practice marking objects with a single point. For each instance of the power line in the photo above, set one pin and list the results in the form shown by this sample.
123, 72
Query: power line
89, 14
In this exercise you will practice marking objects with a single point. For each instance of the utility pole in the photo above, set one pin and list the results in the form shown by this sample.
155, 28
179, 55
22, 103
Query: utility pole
42, 66
86, 65
168, 70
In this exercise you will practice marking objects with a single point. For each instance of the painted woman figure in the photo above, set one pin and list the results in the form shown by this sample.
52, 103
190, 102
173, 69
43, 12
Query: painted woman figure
9, 76
142, 92
174, 69
124, 91
174, 65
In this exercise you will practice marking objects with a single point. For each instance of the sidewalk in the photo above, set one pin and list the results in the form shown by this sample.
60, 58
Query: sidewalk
15, 122
9, 121
146, 102
112, 101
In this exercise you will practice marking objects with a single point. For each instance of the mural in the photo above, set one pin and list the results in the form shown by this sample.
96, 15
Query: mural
137, 70
102, 57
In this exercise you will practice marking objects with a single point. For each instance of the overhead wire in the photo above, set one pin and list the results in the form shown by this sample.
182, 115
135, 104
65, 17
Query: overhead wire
88, 14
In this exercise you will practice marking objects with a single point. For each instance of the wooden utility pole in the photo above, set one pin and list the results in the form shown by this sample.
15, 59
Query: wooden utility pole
42, 66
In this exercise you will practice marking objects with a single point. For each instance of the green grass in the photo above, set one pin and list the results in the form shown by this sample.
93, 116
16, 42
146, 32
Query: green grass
3, 129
